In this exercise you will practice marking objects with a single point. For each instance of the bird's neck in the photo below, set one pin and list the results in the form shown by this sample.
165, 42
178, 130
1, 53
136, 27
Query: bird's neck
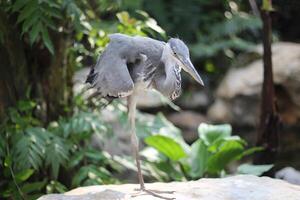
167, 55
169, 60
168, 81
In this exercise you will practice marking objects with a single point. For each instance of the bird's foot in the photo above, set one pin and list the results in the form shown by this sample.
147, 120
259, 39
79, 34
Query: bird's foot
155, 193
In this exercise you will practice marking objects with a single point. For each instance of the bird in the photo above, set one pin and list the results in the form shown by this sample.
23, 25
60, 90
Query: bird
132, 64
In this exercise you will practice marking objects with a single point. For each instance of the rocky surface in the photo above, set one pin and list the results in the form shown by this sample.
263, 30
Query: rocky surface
242, 187
237, 97
289, 174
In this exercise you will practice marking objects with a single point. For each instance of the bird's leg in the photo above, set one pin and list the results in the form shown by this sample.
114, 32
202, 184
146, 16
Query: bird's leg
134, 139
135, 147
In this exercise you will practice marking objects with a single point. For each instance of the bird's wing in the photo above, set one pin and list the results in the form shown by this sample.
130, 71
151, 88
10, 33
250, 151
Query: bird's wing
110, 76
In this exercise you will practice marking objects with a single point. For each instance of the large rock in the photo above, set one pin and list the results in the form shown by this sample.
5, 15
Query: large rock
238, 94
289, 174
188, 122
242, 187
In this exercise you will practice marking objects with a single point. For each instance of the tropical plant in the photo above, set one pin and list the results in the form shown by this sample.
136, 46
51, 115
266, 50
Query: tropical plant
35, 159
208, 156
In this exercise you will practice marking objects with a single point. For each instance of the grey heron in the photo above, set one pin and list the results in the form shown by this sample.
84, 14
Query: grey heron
131, 64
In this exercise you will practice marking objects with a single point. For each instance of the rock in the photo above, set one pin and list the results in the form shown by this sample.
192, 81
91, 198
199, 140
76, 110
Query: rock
240, 89
289, 174
195, 99
188, 122
242, 187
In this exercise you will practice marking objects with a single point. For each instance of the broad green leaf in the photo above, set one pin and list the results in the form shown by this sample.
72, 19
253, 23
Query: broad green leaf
256, 170
47, 40
171, 169
199, 158
33, 187
166, 146
24, 175
211, 133
228, 152
219, 142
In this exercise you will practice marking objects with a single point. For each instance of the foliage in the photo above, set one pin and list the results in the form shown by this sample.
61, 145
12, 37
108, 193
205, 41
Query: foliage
33, 158
39, 156
210, 155
36, 160
221, 23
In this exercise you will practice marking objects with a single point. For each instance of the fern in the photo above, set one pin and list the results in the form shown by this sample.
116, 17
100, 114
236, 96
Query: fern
57, 153
37, 17
29, 150
81, 126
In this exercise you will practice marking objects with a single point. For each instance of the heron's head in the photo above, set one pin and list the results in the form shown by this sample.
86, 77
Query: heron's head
181, 53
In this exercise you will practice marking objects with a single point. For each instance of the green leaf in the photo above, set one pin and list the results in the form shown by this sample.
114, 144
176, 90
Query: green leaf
76, 159
33, 187
256, 170
199, 158
166, 146
220, 141
94, 155
18, 5
34, 32
24, 175
57, 154
171, 169
80, 176
26, 105
250, 151
47, 41
2, 147
29, 150
55, 187
211, 133
27, 10
30, 22
228, 152
7, 161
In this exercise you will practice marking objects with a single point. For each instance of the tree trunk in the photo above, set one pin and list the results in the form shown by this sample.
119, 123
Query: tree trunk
268, 130
22, 66
13, 64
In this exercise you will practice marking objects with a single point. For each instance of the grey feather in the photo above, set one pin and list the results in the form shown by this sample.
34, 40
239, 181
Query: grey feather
128, 62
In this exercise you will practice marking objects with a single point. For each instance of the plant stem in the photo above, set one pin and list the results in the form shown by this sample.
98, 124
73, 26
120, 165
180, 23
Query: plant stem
268, 131
13, 175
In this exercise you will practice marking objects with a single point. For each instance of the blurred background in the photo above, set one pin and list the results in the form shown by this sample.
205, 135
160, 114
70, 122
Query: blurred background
53, 139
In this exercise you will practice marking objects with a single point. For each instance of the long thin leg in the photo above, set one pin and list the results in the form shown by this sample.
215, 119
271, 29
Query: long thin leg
135, 146
134, 139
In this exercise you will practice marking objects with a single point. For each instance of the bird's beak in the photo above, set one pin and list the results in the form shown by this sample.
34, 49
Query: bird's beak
189, 68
